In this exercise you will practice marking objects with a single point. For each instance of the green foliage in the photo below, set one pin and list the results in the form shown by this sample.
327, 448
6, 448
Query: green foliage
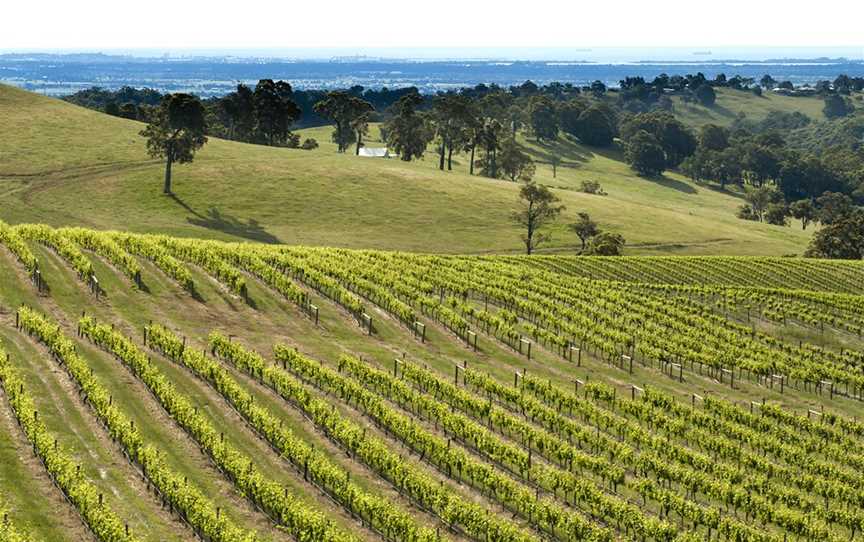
837, 106
803, 210
645, 154
676, 140
605, 244
347, 112
592, 187
705, 95
309, 144
584, 228
597, 126
842, 239
176, 131
759, 199
545, 118
408, 131
538, 207
274, 111
515, 164
777, 214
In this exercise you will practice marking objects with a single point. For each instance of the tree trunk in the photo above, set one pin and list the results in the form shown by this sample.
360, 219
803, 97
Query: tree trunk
450, 158
359, 143
441, 158
169, 159
554, 171
471, 166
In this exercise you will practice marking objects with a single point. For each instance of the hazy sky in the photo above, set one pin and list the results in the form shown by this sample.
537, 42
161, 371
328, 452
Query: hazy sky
104, 24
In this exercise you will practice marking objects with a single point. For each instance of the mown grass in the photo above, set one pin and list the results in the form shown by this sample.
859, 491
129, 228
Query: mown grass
66, 165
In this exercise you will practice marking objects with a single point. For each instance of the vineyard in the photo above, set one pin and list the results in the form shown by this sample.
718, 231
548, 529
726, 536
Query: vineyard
159, 388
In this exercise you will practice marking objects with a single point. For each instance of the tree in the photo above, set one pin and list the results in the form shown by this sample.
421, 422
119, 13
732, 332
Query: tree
275, 111
598, 88
454, 117
515, 164
837, 106
705, 95
239, 110
111, 108
129, 111
489, 136
832, 207
408, 132
760, 198
605, 244
585, 229
644, 154
538, 207
176, 131
597, 126
843, 239
777, 214
677, 141
544, 118
713, 137
554, 161
569, 113
347, 112
762, 162
803, 210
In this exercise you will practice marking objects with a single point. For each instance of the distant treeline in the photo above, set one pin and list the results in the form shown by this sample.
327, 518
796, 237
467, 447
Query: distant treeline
634, 94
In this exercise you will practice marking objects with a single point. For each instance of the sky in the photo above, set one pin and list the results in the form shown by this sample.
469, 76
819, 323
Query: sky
463, 25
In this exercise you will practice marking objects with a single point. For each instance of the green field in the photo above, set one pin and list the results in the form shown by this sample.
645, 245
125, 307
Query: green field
64, 165
696, 379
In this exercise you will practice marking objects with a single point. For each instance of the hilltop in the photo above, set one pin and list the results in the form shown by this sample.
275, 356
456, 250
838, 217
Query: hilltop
65, 165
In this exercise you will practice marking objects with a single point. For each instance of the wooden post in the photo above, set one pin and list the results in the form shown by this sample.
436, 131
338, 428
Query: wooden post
314, 308
627, 359
528, 344
578, 355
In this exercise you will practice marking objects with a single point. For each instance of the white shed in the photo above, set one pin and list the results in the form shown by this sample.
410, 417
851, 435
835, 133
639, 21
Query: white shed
380, 152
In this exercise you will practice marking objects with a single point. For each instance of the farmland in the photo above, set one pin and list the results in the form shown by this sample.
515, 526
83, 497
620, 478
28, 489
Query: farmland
168, 388
53, 153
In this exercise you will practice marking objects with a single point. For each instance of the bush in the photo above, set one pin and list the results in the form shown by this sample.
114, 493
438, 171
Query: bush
309, 144
605, 244
745, 212
592, 187
777, 214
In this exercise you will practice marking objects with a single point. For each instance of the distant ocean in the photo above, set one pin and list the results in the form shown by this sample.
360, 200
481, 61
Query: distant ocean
215, 72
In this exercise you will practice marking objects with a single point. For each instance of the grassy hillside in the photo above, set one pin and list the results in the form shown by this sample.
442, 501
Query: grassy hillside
730, 103
61, 165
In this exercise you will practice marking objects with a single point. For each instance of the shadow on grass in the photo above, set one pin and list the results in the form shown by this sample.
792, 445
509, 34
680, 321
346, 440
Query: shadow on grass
564, 148
214, 219
674, 184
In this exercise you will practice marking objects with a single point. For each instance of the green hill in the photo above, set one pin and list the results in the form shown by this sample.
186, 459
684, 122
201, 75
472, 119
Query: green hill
64, 165
731, 103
